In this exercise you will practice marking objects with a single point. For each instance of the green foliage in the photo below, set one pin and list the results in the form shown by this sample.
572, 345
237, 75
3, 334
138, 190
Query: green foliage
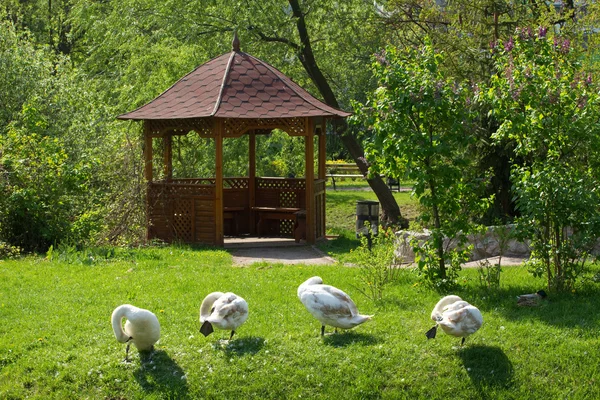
8, 251
377, 263
489, 274
421, 123
550, 109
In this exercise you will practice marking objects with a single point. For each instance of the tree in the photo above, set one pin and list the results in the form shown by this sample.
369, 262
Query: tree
549, 106
330, 62
464, 30
421, 123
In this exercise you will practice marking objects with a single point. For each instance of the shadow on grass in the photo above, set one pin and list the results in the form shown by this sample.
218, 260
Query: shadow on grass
159, 373
345, 338
565, 310
488, 367
242, 346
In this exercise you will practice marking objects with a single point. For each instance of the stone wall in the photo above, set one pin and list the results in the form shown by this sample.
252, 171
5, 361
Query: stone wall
494, 242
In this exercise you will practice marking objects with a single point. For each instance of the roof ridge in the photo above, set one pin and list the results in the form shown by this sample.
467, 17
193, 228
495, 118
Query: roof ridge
225, 75
172, 86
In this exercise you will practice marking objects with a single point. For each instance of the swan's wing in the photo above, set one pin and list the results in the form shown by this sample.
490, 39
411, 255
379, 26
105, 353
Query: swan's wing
328, 301
342, 297
229, 306
466, 320
321, 303
455, 316
457, 305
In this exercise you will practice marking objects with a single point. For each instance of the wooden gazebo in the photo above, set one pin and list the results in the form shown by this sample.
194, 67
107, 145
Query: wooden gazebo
229, 96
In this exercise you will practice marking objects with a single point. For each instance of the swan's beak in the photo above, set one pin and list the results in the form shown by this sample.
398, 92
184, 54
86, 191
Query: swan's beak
431, 333
206, 328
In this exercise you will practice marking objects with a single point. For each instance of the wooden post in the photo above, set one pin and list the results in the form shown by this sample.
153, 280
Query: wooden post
168, 155
322, 175
252, 179
322, 149
309, 149
219, 232
147, 152
148, 173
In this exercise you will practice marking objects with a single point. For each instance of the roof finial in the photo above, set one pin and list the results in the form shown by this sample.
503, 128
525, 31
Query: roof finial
235, 44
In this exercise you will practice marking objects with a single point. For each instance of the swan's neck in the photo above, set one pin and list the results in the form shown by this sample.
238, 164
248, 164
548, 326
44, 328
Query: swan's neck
117, 323
443, 303
207, 303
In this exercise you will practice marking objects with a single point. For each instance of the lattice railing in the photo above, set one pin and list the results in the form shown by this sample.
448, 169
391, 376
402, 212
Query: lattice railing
176, 208
280, 183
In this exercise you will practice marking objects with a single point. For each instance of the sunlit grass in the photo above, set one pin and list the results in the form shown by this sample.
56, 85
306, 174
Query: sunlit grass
56, 340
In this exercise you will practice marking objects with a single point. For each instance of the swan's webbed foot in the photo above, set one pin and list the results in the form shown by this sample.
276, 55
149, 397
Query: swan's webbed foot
462, 341
431, 333
322, 330
206, 328
231, 336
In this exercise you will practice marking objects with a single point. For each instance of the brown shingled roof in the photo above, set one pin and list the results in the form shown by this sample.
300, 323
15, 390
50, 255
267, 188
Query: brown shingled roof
234, 85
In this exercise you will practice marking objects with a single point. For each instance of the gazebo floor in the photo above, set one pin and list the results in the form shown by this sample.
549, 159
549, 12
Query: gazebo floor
241, 242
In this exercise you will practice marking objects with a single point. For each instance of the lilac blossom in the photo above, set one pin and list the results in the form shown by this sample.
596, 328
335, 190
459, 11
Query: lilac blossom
509, 45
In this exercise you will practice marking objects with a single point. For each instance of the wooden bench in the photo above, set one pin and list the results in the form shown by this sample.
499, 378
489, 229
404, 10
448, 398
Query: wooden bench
348, 170
282, 213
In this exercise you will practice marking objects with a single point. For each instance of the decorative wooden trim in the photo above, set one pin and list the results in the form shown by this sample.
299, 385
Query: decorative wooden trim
202, 126
237, 127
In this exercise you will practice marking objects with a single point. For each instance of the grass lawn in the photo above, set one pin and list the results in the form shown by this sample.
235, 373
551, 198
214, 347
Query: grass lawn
56, 340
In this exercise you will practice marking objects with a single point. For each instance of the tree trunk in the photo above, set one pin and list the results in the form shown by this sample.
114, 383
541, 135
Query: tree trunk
391, 214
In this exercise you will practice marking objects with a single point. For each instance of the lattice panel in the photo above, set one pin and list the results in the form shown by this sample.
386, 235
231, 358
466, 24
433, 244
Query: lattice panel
176, 190
237, 127
280, 183
203, 126
192, 181
286, 227
183, 220
236, 183
288, 199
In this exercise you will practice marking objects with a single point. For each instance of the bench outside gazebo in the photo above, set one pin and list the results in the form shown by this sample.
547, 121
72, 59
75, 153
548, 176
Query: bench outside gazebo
229, 96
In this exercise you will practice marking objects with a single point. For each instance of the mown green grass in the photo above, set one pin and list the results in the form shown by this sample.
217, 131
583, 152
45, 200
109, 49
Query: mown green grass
341, 208
56, 340
341, 219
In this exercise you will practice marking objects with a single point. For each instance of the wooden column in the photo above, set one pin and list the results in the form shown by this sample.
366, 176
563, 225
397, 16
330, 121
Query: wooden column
168, 155
252, 180
322, 176
219, 232
309, 149
147, 152
322, 149
147, 173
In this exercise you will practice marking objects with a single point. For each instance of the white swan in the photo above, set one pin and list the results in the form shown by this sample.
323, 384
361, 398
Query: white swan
329, 305
225, 311
456, 317
141, 327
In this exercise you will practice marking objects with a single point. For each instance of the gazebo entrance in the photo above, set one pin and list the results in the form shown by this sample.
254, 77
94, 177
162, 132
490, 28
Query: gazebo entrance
227, 97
